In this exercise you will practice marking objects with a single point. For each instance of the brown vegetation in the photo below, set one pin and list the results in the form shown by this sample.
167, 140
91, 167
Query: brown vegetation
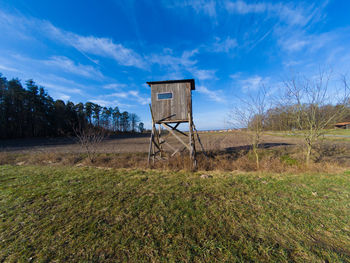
227, 152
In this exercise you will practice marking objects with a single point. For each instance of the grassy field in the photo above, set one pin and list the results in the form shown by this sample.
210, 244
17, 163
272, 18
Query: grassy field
331, 134
89, 214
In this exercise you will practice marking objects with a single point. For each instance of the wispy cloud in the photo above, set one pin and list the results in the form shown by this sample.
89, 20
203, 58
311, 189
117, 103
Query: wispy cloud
104, 47
177, 65
6, 68
207, 7
60, 91
203, 74
27, 27
55, 63
107, 103
241, 7
252, 83
70, 66
290, 13
60, 88
236, 75
301, 40
115, 86
224, 45
212, 95
132, 95
122, 99
167, 59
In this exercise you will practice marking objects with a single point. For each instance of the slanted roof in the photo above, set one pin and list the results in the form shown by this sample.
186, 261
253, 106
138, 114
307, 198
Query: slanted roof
174, 81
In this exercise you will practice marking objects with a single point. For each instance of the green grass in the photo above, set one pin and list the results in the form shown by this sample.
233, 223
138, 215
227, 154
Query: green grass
89, 215
330, 134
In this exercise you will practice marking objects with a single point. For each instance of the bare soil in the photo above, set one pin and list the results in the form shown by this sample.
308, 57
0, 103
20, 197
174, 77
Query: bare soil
226, 150
132, 143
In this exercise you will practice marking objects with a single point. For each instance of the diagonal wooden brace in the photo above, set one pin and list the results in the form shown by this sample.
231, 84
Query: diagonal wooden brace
174, 129
176, 136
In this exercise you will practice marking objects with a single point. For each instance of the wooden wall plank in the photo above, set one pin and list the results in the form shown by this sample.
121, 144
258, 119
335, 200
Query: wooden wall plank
178, 105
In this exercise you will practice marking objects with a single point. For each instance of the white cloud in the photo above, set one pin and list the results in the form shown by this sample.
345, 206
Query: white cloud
212, 95
132, 95
174, 62
6, 68
289, 13
124, 96
179, 64
225, 45
203, 74
253, 83
298, 40
236, 75
58, 88
62, 96
115, 86
55, 62
27, 27
207, 7
70, 66
104, 47
243, 8
176, 65
286, 12
106, 103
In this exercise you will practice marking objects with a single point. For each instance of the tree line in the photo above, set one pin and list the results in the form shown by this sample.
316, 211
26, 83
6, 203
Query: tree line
29, 111
283, 118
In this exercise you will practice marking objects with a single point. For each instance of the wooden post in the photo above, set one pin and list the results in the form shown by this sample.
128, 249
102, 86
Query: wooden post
155, 142
192, 144
150, 147
159, 141
190, 130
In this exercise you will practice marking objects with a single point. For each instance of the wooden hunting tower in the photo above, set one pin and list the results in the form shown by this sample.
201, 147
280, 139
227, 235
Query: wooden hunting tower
172, 104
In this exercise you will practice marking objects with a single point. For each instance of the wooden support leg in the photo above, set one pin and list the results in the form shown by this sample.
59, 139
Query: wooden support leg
192, 143
155, 141
153, 148
199, 140
159, 141
150, 148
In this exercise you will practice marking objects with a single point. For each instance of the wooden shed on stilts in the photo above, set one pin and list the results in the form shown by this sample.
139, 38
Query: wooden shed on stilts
171, 106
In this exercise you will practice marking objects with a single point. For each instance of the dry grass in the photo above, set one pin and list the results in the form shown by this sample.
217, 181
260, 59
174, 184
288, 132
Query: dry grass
276, 160
226, 151
71, 214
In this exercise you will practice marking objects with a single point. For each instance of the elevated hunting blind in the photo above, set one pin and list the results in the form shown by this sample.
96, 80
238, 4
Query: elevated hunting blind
172, 100
171, 106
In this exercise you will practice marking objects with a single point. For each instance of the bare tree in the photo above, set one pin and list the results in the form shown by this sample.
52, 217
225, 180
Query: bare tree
89, 138
134, 120
309, 99
250, 113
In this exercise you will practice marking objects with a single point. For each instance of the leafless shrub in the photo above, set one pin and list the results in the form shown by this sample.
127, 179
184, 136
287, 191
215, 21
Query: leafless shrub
250, 114
89, 138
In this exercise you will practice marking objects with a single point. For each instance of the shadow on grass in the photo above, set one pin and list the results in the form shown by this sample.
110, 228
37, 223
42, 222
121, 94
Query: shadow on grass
247, 148
238, 151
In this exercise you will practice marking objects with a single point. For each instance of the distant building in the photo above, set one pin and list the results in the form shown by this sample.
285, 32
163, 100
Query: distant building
342, 125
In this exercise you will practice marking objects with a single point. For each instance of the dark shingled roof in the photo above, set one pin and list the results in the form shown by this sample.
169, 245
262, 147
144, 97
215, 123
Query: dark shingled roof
174, 81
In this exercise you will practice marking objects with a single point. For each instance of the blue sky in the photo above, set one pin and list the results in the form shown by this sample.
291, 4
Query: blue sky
105, 51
